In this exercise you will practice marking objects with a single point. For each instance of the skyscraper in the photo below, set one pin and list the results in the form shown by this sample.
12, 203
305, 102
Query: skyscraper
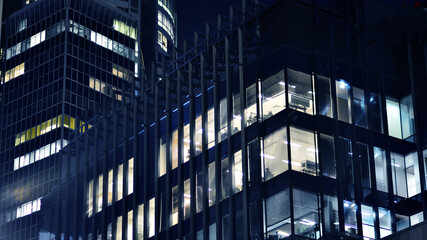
61, 59
300, 120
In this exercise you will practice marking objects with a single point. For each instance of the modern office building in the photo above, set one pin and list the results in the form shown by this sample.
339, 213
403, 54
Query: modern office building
60, 61
302, 120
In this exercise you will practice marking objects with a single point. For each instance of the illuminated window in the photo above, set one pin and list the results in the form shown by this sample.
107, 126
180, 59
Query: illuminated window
14, 72
162, 41
130, 225
125, 29
104, 88
121, 72
120, 182
151, 217
99, 193
38, 154
130, 176
90, 198
165, 23
28, 208
110, 187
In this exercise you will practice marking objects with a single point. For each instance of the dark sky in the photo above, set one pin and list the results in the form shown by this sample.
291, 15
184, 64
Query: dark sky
193, 14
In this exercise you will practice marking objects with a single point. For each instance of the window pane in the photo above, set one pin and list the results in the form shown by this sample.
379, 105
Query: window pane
198, 133
407, 115
327, 155
120, 182
275, 156
223, 131
251, 107
130, 225
303, 151
343, 101
236, 122
151, 217
119, 228
212, 189
359, 107
412, 174
174, 149
300, 91
110, 187
238, 172
324, 97
278, 215
174, 217
99, 192
199, 192
368, 222
273, 94
306, 215
187, 198
211, 128
375, 113
186, 143
398, 174
225, 178
130, 176
393, 118
365, 169
385, 222
162, 156
350, 217
380, 169
331, 214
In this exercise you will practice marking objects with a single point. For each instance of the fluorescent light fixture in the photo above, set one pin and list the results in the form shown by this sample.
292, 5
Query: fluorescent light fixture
308, 222
281, 233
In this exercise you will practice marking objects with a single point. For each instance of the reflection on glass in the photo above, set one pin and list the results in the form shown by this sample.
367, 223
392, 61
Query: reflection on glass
130, 176
300, 91
368, 222
110, 187
90, 198
151, 217
303, 151
393, 118
174, 217
238, 172
199, 192
385, 221
407, 115
273, 94
119, 227
130, 225
211, 128
343, 100
223, 130
141, 221
99, 193
251, 106
359, 107
306, 214
327, 156
212, 189
236, 122
186, 143
412, 174
278, 215
120, 182
380, 169
324, 96
402, 222
365, 169
275, 155
174, 149
330, 213
187, 198
375, 122
398, 174
162, 156
225, 178
198, 133
350, 219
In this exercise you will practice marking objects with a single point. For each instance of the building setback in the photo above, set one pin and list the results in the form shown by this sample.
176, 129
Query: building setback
302, 120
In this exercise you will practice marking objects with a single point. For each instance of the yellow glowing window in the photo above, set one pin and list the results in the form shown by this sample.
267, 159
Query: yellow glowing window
14, 72
33, 132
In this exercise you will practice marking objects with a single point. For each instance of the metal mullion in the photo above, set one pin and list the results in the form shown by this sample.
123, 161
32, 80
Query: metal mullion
217, 156
205, 156
104, 186
168, 149
180, 155
115, 165
231, 207
145, 161
192, 150
156, 158
125, 169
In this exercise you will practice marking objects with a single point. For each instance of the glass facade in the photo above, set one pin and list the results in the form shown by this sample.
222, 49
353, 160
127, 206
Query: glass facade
233, 141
